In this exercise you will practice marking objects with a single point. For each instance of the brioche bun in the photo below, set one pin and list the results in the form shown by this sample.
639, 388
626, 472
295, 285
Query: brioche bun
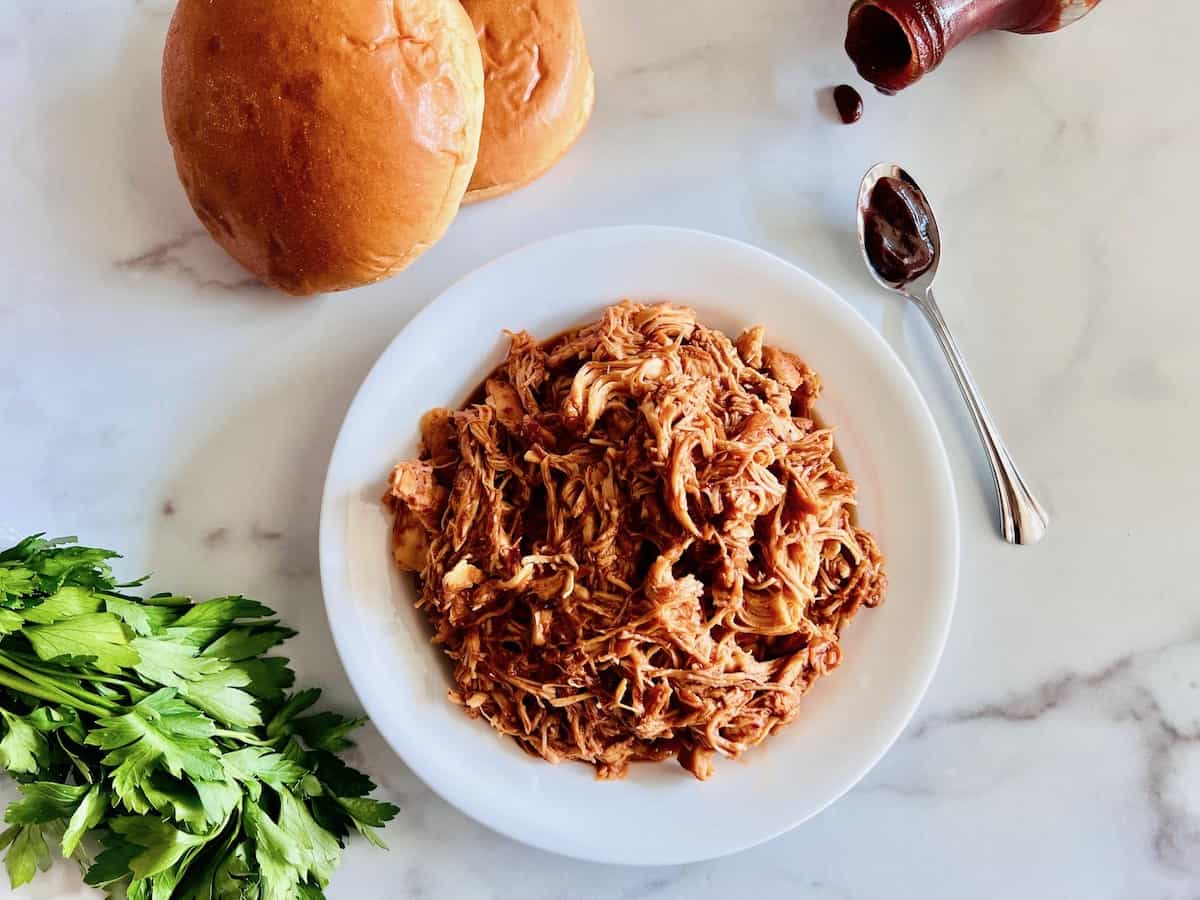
539, 89
323, 144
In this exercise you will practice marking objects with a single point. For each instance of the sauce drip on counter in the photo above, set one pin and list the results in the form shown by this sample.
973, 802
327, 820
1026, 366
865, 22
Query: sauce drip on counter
896, 231
849, 103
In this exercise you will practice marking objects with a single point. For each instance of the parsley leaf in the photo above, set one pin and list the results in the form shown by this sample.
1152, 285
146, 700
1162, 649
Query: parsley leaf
367, 815
161, 845
326, 731
220, 696
16, 582
87, 815
206, 621
218, 798
177, 800
279, 854
160, 732
246, 643
23, 749
96, 639
113, 862
339, 777
27, 853
373, 813
64, 603
10, 621
142, 620
268, 677
257, 764
292, 707
44, 801
171, 664
319, 849
234, 877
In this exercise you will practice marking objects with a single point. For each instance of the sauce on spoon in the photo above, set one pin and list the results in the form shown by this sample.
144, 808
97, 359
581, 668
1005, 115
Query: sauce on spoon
896, 231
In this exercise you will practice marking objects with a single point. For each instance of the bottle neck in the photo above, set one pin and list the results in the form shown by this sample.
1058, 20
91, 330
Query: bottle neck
895, 42
1060, 15
964, 18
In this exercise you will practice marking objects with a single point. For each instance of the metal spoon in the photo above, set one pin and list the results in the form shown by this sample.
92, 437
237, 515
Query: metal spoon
1022, 519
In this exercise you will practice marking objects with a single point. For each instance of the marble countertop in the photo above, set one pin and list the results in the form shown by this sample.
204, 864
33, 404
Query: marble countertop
154, 400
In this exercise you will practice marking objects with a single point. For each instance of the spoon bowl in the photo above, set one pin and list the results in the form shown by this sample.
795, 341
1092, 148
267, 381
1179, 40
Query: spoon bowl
874, 175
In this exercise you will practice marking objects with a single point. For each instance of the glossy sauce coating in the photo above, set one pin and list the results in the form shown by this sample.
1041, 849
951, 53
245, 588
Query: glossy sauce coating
849, 103
896, 231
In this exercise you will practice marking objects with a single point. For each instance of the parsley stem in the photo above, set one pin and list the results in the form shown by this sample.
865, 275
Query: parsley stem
32, 662
243, 736
64, 692
22, 686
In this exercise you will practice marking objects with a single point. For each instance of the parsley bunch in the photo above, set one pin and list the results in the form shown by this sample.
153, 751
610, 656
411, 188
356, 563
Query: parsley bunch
158, 730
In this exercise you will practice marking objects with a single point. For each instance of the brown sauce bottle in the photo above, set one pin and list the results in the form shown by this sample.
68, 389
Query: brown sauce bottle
894, 42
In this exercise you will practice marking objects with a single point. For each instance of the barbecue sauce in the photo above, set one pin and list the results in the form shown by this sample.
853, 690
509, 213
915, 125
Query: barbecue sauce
849, 103
896, 231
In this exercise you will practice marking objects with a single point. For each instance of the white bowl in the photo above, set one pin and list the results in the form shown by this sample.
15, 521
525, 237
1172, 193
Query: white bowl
659, 814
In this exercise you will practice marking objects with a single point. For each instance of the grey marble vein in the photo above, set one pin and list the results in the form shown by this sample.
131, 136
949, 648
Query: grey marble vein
168, 255
1131, 702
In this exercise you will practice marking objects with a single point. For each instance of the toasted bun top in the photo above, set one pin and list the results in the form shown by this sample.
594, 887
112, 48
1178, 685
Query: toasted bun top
539, 89
323, 144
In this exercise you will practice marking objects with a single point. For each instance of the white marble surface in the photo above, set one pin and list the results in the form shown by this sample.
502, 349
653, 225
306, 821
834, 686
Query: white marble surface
1057, 754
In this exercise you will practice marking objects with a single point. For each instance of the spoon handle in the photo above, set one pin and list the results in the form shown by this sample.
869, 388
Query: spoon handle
1022, 519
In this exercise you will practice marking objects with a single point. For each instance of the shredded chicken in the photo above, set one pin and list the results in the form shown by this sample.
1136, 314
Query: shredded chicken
636, 543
